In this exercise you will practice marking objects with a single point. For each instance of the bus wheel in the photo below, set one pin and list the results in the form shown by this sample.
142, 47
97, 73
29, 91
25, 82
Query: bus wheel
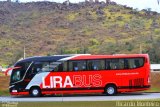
35, 92
110, 90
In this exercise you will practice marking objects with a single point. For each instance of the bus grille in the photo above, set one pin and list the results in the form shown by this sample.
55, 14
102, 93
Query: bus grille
136, 82
139, 82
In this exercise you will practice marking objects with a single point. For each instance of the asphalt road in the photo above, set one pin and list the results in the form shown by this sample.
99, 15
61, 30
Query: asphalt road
126, 96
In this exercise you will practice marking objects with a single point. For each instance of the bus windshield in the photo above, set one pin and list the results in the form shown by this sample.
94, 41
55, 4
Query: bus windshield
19, 71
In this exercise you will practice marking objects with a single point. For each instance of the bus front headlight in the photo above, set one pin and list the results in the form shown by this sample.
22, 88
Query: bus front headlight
14, 91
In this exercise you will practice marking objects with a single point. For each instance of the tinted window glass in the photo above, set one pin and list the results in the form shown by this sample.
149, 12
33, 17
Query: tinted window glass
44, 67
38, 67
96, 64
55, 66
64, 66
115, 64
127, 63
47, 67
18, 73
77, 65
134, 62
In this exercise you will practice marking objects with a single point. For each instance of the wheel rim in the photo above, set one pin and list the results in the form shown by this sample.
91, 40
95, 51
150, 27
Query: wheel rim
110, 90
35, 92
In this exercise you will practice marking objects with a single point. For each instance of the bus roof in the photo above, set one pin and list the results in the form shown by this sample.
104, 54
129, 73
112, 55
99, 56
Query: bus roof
109, 56
44, 58
79, 57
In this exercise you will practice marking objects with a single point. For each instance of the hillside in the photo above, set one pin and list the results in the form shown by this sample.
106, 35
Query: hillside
47, 28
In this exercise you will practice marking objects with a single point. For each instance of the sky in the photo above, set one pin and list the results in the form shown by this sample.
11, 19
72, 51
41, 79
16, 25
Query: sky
140, 4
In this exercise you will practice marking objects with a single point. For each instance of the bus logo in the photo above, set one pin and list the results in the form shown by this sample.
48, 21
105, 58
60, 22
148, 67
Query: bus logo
72, 81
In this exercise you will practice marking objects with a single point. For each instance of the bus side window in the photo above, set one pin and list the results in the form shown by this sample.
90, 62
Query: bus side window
95, 67
108, 67
45, 67
56, 66
51, 66
34, 68
136, 62
126, 64
89, 65
65, 66
73, 66
121, 63
77, 65
96, 64
131, 63
114, 64
70, 66
37, 67
60, 67
117, 64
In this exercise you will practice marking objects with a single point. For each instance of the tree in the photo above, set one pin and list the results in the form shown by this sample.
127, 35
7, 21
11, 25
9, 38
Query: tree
158, 1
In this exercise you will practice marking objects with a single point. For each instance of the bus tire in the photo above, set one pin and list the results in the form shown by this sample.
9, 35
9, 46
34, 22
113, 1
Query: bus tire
110, 90
35, 92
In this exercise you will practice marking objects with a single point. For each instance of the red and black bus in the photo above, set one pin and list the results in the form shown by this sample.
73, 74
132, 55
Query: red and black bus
82, 73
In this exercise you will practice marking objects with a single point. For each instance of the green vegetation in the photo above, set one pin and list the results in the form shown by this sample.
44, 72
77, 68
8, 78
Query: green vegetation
153, 89
48, 28
157, 31
87, 31
4, 93
72, 16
